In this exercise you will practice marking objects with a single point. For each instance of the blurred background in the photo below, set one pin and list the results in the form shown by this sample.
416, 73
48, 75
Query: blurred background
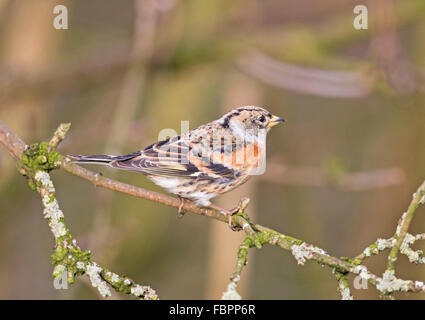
340, 171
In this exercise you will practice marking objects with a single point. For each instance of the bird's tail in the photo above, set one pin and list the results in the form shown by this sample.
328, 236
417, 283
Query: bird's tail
102, 158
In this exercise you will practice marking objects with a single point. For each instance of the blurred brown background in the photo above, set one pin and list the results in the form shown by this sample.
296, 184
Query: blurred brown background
341, 170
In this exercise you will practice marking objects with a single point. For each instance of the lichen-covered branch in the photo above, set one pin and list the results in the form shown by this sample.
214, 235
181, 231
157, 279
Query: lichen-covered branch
401, 234
343, 286
68, 258
231, 293
39, 159
59, 134
415, 256
403, 225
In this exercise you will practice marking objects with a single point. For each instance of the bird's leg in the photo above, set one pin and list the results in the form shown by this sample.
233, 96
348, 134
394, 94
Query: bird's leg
181, 212
229, 214
243, 203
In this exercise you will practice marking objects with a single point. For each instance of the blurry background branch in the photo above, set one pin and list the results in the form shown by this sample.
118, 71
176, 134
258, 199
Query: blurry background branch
338, 178
326, 83
39, 159
387, 50
389, 62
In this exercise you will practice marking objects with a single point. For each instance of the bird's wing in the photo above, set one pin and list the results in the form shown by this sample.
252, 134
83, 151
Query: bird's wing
173, 157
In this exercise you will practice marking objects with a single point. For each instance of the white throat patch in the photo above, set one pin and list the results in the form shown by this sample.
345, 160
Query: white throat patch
245, 135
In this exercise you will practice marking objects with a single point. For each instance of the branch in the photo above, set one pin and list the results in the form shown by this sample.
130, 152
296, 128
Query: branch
231, 293
257, 235
11, 141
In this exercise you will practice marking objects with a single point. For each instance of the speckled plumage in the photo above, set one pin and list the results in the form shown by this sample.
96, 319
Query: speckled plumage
207, 161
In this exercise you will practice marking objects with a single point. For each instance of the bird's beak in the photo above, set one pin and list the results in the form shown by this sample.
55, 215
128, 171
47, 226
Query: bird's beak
274, 121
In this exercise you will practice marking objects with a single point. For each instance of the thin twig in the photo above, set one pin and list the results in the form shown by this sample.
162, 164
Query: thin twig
403, 225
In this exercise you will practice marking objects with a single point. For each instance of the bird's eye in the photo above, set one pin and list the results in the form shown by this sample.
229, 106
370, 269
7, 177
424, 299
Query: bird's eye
261, 118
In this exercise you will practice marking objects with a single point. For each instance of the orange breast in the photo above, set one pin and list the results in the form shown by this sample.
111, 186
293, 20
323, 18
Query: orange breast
248, 156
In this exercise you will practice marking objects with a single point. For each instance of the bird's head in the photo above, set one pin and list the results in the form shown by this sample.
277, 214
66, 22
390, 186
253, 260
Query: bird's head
249, 120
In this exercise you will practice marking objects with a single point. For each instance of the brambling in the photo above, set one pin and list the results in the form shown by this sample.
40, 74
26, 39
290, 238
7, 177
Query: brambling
207, 161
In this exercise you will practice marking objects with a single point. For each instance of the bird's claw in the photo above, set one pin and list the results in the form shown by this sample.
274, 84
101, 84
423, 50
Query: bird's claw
243, 203
181, 212
231, 226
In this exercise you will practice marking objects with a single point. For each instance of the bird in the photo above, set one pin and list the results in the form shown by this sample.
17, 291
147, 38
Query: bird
204, 162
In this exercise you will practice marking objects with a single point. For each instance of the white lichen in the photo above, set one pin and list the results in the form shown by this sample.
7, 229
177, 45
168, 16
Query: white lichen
58, 228
362, 272
137, 290
44, 179
381, 244
412, 255
403, 217
93, 271
145, 292
422, 201
408, 240
115, 277
345, 292
80, 265
384, 244
150, 294
51, 209
231, 293
419, 285
367, 252
305, 251
389, 283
